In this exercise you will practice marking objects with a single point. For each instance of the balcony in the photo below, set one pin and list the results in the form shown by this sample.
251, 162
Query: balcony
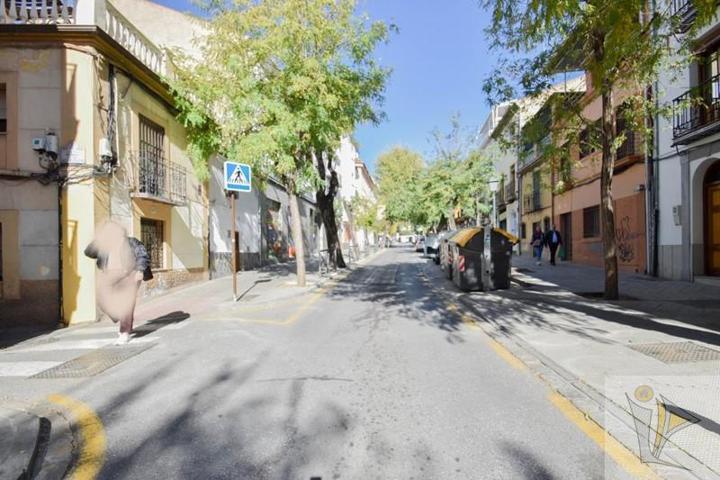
500, 200
532, 202
159, 179
696, 113
684, 13
510, 194
99, 13
532, 152
631, 146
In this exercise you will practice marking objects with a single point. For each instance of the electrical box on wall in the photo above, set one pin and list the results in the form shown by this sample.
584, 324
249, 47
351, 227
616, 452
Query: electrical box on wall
676, 215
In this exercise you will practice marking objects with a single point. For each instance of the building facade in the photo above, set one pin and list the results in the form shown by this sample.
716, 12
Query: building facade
355, 182
262, 225
576, 195
84, 79
684, 173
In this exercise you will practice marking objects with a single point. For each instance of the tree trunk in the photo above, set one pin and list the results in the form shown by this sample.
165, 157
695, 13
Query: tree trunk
326, 205
297, 235
607, 211
451, 220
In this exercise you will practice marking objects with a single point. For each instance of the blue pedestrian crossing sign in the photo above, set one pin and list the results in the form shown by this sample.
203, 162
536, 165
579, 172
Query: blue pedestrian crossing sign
238, 177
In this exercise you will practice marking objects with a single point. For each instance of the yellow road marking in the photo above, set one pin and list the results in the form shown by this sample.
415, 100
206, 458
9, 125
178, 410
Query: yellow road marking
469, 321
614, 449
299, 312
506, 355
92, 437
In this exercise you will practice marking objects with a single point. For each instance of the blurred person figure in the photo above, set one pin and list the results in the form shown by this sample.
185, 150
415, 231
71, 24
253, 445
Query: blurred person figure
538, 241
553, 240
123, 263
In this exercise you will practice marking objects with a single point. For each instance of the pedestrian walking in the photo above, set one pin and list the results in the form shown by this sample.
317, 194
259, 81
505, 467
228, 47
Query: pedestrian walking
123, 263
553, 240
537, 241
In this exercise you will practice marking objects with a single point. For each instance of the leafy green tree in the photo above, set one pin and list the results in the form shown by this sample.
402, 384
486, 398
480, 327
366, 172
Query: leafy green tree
622, 44
400, 171
457, 180
277, 84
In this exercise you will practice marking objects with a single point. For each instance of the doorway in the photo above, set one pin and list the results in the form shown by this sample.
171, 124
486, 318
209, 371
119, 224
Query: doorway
712, 220
566, 233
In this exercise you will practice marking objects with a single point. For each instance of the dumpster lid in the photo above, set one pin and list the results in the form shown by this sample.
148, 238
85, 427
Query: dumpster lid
464, 236
513, 239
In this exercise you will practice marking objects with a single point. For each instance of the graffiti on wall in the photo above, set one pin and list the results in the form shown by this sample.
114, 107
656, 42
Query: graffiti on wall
625, 238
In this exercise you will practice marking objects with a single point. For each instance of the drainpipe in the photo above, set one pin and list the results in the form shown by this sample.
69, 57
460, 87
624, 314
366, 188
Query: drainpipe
61, 309
652, 180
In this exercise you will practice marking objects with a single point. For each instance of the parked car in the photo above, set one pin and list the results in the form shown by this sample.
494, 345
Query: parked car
445, 258
420, 244
432, 247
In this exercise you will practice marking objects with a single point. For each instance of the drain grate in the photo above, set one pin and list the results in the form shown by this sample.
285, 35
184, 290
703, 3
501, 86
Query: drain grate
678, 352
95, 362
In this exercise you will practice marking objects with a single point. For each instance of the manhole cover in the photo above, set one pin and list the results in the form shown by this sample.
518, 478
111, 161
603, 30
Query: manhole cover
92, 363
678, 352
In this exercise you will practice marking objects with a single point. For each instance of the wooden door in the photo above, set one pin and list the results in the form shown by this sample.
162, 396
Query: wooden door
566, 232
712, 229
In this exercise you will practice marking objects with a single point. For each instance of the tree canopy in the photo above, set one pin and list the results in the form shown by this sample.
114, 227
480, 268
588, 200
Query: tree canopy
276, 85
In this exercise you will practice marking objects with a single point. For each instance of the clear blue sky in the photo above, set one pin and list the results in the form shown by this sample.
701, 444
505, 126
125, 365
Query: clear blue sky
439, 59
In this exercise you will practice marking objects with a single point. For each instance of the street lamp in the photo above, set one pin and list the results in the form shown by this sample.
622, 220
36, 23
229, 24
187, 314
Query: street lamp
493, 184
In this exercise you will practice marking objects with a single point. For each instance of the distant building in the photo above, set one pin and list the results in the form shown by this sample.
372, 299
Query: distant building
262, 222
355, 182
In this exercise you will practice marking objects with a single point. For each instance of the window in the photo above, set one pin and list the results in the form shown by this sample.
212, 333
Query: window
536, 185
151, 235
591, 222
3, 108
523, 230
503, 225
546, 224
589, 139
152, 158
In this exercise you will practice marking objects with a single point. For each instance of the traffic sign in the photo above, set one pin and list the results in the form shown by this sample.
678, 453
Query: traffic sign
238, 177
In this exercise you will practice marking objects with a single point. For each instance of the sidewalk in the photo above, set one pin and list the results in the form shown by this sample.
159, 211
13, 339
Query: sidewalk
645, 367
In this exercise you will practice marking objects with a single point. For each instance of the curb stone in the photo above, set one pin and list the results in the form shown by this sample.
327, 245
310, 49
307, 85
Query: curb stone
591, 402
56, 453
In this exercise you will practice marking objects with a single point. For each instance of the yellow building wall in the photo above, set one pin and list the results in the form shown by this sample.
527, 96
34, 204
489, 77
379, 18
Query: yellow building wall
78, 200
530, 217
186, 226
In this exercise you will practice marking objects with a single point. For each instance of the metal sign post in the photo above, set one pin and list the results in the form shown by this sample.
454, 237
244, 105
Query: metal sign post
238, 178
235, 246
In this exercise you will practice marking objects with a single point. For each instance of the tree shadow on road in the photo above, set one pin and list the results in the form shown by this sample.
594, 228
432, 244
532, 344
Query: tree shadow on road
254, 436
567, 308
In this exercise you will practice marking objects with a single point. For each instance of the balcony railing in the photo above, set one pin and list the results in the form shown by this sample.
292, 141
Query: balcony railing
684, 12
532, 202
630, 146
100, 13
500, 200
37, 11
160, 179
510, 194
697, 111
532, 152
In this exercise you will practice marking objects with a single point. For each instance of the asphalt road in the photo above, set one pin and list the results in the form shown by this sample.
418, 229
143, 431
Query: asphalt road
372, 378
